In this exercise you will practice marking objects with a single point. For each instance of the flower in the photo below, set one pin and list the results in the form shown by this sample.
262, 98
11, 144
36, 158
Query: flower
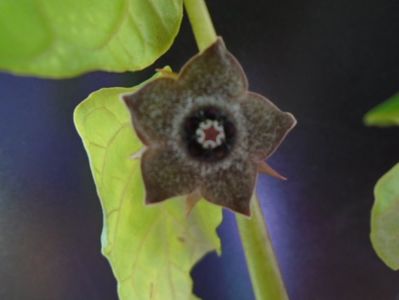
205, 133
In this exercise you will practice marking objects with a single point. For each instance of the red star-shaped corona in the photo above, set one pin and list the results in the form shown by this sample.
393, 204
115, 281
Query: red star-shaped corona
211, 134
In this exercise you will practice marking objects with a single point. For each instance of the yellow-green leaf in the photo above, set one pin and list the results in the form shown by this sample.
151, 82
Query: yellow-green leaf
385, 218
151, 249
63, 38
385, 114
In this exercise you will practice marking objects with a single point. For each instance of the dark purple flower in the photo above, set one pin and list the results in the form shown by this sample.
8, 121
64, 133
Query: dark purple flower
205, 133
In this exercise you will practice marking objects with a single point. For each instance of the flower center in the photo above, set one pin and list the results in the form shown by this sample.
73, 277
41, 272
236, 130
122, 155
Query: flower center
208, 134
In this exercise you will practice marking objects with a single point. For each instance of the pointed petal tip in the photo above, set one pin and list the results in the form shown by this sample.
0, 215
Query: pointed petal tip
125, 98
148, 201
242, 211
236, 208
264, 167
246, 213
218, 43
152, 200
291, 120
281, 177
129, 99
153, 196
242, 208
215, 70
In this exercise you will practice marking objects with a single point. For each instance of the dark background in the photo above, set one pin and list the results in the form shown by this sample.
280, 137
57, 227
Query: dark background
326, 61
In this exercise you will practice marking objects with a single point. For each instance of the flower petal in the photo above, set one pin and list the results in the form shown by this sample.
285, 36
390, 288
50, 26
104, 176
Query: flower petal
153, 108
215, 71
266, 125
166, 175
232, 187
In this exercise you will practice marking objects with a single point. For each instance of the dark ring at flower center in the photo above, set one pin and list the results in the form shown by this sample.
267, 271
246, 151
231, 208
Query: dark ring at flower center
209, 134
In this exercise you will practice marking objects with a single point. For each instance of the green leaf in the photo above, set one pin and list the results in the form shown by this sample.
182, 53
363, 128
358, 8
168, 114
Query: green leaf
63, 38
385, 114
385, 218
151, 249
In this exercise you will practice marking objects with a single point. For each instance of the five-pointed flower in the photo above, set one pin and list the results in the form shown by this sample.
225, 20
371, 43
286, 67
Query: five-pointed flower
205, 133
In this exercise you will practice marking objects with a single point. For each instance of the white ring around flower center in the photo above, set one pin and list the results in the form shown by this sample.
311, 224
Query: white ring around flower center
210, 134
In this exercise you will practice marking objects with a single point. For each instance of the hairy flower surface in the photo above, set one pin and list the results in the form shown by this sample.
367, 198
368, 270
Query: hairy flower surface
205, 133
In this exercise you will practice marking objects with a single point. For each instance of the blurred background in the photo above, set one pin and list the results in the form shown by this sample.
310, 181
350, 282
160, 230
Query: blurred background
326, 61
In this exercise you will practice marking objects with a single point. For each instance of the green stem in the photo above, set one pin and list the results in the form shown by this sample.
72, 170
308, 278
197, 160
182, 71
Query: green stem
261, 261
201, 23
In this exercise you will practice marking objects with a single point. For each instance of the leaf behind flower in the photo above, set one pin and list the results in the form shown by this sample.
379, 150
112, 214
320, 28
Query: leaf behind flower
151, 249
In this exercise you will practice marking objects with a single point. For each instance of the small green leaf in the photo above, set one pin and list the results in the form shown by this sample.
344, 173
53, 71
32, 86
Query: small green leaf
55, 38
151, 249
385, 114
385, 218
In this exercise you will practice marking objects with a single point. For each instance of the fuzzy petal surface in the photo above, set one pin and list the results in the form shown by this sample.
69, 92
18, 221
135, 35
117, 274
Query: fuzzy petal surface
266, 125
153, 108
232, 187
215, 72
172, 114
166, 175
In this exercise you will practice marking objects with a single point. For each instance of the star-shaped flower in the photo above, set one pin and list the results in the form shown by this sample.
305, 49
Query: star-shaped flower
205, 133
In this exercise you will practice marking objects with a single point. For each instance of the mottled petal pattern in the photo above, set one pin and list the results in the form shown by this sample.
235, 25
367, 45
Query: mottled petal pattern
153, 108
266, 124
166, 175
232, 187
205, 132
214, 72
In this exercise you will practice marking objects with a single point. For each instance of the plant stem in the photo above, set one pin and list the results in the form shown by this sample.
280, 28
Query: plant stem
262, 264
201, 23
